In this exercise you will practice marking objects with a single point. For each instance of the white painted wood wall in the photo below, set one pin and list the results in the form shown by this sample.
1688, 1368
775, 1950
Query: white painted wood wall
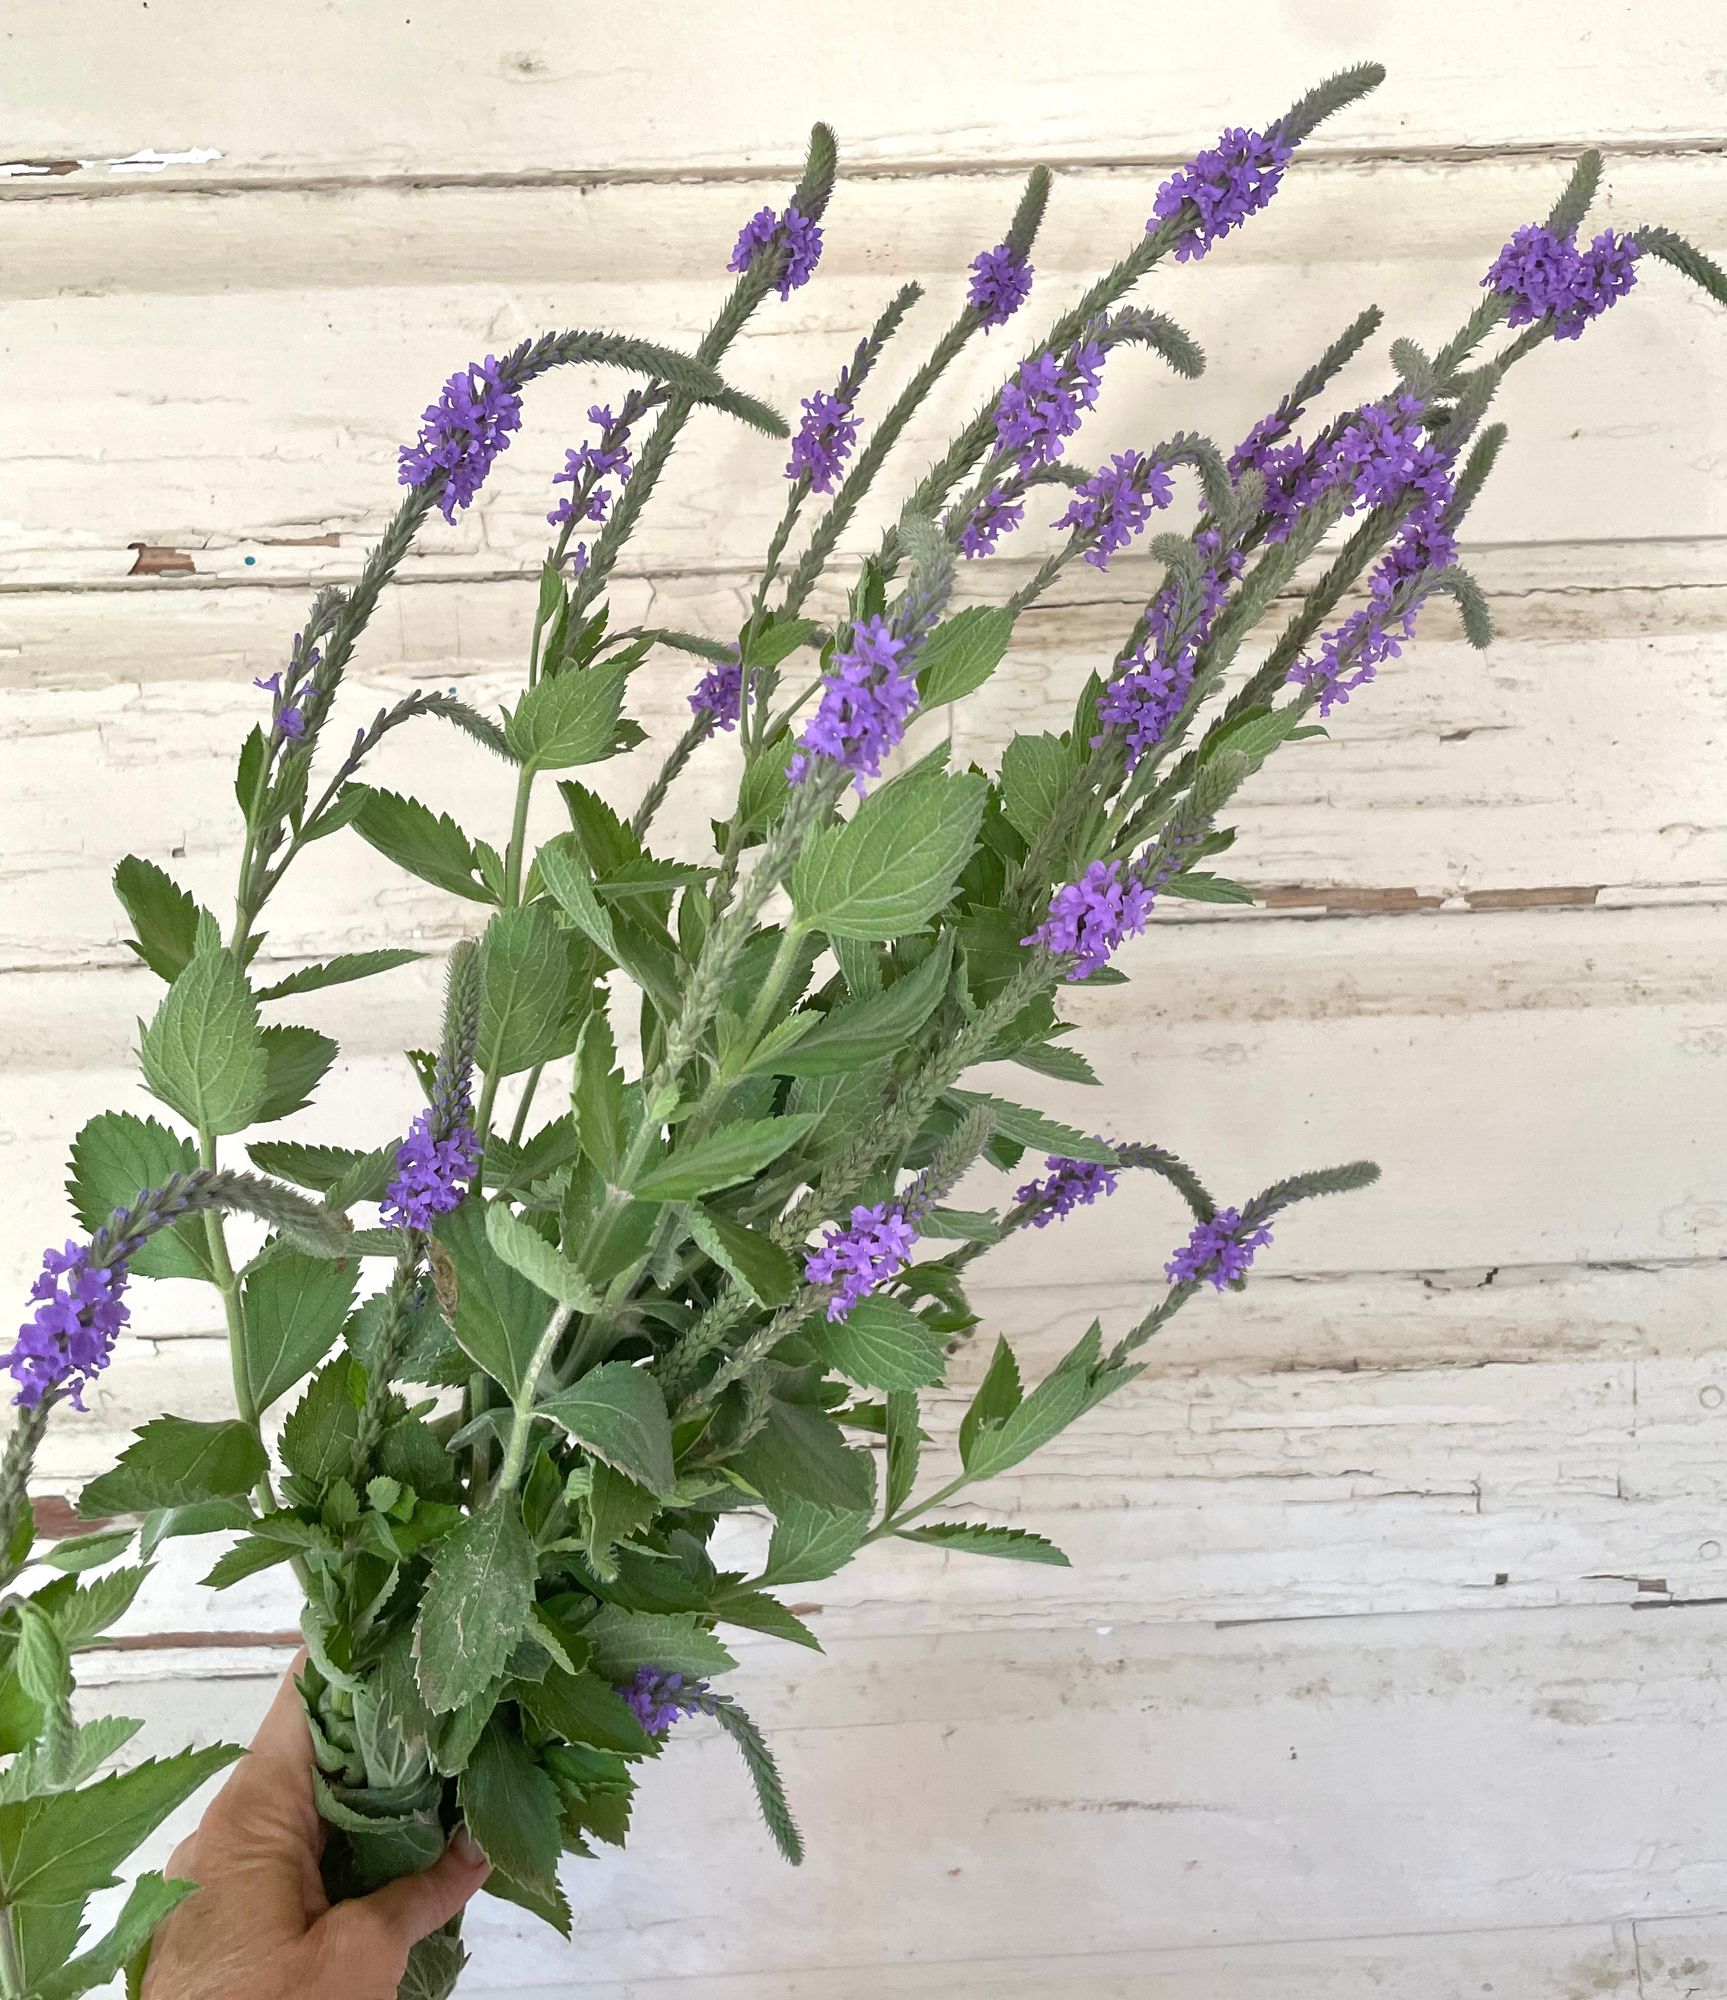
1388, 1661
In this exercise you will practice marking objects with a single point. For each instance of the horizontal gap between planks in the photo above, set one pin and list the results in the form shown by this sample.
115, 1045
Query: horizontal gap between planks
60, 179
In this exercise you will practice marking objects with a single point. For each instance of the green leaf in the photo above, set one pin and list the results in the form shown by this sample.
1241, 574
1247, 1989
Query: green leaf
173, 1462
754, 1259
616, 1508
618, 1413
1200, 886
864, 1030
1029, 1425
1017, 1544
164, 916
523, 1248
1037, 772
78, 1553
114, 1159
801, 1454
764, 1773
62, 1848
28, 1777
962, 652
427, 844
203, 1054
895, 863
756, 1611
777, 639
511, 1808
811, 1543
625, 1640
1026, 1127
500, 1315
998, 1396
561, 867
149, 1903
536, 990
905, 1442
338, 971
44, 1670
476, 1606
582, 1708
570, 720
319, 1168
882, 1345
295, 1309
322, 1429
734, 1153
84, 1612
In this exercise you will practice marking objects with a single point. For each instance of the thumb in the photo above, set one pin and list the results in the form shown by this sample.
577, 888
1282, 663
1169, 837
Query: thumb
365, 1943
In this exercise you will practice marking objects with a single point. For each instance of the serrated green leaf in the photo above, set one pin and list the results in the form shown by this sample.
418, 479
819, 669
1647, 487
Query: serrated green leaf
295, 1309
427, 844
500, 1315
78, 1553
173, 1462
776, 640
147, 1905
597, 1095
338, 971
84, 1612
864, 1030
163, 915
511, 1808
998, 1395
522, 1247
203, 1054
570, 720
115, 1157
800, 1454
1017, 1544
756, 1611
882, 1345
1060, 1397
732, 1154
625, 1640
322, 1429
582, 1708
754, 1259
1026, 1127
476, 1606
616, 1507
561, 867
887, 870
962, 652
905, 1442
617, 1412
536, 990
1198, 886
810, 1544
1037, 772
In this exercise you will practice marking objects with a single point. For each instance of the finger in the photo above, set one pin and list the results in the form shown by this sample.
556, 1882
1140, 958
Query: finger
366, 1942
283, 1731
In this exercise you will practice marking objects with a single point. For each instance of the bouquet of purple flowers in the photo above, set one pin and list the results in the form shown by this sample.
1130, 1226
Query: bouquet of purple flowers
684, 1227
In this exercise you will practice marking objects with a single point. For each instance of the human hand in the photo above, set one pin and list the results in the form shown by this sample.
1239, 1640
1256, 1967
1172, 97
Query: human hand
261, 1927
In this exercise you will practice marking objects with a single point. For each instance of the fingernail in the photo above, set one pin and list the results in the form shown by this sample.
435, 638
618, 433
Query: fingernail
468, 1850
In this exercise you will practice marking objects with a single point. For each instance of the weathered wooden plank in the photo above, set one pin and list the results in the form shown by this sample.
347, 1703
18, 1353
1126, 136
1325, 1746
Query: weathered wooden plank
1548, 767
1148, 1791
508, 95
364, 301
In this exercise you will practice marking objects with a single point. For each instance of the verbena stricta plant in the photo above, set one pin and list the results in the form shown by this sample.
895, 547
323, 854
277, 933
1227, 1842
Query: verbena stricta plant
716, 1256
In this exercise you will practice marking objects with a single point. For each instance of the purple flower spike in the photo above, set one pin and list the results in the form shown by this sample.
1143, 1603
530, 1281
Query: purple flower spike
719, 694
68, 1340
1044, 404
1547, 276
587, 465
1089, 918
432, 1173
794, 236
659, 1698
824, 441
1071, 1184
1116, 502
874, 1247
1000, 284
1218, 1251
462, 433
994, 515
1225, 184
867, 700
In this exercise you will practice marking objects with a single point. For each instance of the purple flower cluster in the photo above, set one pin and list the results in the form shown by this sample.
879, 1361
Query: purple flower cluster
1116, 502
587, 465
1151, 685
70, 1336
794, 237
1548, 277
1351, 654
1045, 402
824, 441
1071, 1184
873, 1247
462, 433
1000, 284
659, 1698
995, 515
1089, 918
719, 694
287, 711
1219, 1250
432, 1172
867, 700
1224, 185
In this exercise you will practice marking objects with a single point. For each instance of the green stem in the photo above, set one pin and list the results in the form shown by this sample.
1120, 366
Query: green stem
245, 1402
906, 1515
518, 838
11, 1965
521, 1421
519, 1124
